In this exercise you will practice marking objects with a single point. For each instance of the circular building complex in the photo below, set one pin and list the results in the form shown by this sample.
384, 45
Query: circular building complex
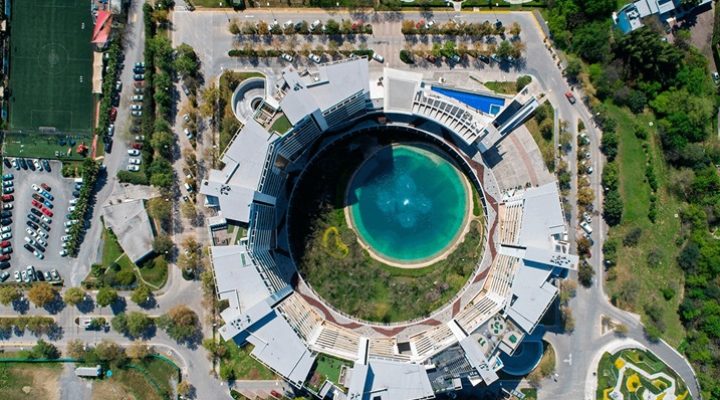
379, 244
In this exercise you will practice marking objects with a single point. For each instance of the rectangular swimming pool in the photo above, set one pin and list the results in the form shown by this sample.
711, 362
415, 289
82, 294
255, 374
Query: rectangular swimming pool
487, 104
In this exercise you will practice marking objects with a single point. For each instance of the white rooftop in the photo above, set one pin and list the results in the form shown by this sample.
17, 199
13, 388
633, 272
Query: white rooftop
531, 295
542, 216
400, 90
237, 278
388, 380
235, 185
129, 221
330, 85
279, 347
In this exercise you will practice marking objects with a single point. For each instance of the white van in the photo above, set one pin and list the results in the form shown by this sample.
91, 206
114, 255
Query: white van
377, 57
586, 227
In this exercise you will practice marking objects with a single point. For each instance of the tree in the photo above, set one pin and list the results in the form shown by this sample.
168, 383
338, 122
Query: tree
332, 27
184, 388
504, 50
106, 296
210, 97
43, 349
180, 322
573, 69
585, 274
522, 82
138, 323
515, 29
110, 351
612, 208
9, 294
42, 294
75, 349
234, 28
188, 210
141, 294
163, 143
160, 209
138, 350
74, 296
162, 244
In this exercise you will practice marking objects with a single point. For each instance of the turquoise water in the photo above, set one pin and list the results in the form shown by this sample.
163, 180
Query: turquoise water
407, 203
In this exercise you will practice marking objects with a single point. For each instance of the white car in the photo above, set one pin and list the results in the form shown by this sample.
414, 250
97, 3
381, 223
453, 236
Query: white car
39, 255
189, 134
65, 245
41, 234
37, 165
71, 223
287, 57
6, 229
7, 206
31, 232
135, 161
67, 230
133, 168
7, 235
42, 242
65, 238
29, 241
36, 188
134, 152
136, 113
315, 58
136, 107
377, 57
46, 219
186, 117
73, 202
63, 252
137, 97
71, 208
111, 129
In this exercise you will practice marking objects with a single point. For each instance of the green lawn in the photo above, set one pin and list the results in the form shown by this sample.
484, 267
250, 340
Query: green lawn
243, 365
281, 125
111, 248
155, 271
51, 65
633, 274
327, 368
147, 379
503, 87
546, 146
41, 377
47, 146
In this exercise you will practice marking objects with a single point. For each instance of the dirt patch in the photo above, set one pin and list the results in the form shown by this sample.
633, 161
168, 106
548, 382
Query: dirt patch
108, 390
44, 383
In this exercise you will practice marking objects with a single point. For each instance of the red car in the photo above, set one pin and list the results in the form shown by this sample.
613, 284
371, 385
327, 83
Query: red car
45, 186
4, 257
137, 146
7, 197
5, 243
139, 84
570, 97
36, 203
113, 114
47, 212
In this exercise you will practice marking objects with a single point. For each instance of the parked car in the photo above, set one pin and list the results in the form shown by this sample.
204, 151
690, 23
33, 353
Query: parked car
8, 177
136, 113
71, 208
111, 129
287, 57
65, 238
36, 211
37, 165
38, 255
136, 107
570, 97
32, 224
7, 206
113, 114
63, 253
7, 235
139, 77
46, 165
5, 243
5, 221
134, 152
8, 190
133, 168
23, 163
5, 214
47, 212
137, 97
7, 197
315, 58
137, 146
17, 277
377, 57
135, 161
45, 186
47, 195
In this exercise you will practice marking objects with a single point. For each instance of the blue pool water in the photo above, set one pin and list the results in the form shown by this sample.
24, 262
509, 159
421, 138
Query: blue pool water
487, 104
623, 22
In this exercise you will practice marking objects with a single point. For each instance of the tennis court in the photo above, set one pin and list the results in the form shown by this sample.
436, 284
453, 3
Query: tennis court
51, 65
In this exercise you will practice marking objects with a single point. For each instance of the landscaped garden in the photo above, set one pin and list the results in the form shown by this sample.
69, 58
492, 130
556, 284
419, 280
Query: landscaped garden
342, 272
236, 363
327, 368
641, 375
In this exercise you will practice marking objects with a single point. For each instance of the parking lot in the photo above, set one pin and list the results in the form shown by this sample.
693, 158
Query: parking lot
61, 190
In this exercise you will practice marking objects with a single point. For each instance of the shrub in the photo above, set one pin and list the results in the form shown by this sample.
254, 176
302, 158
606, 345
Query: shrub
632, 238
585, 274
522, 82
406, 57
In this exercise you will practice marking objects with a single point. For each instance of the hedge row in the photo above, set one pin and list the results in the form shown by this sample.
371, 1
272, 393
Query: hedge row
277, 53
37, 325
90, 170
332, 27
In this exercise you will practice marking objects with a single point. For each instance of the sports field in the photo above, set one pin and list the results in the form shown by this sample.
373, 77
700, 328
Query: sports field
51, 65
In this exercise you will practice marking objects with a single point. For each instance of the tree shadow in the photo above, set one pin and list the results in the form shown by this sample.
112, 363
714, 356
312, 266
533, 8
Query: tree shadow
119, 305
86, 306
55, 306
21, 305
